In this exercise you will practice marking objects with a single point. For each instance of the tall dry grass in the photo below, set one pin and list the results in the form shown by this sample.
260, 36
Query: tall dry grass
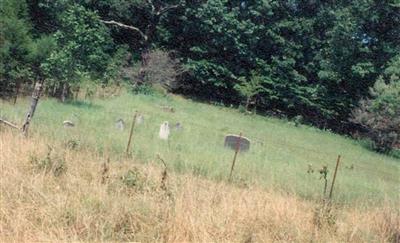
76, 195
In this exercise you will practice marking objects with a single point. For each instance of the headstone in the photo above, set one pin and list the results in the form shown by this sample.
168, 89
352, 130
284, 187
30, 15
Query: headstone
68, 124
168, 109
164, 131
178, 126
120, 124
139, 119
232, 140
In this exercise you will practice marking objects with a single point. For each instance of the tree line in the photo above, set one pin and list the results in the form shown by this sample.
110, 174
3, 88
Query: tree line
326, 63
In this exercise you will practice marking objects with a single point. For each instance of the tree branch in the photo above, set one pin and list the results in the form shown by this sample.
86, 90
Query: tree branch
151, 5
9, 123
129, 27
166, 9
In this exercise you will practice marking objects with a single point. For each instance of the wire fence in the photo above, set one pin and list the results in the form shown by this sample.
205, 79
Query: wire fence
314, 154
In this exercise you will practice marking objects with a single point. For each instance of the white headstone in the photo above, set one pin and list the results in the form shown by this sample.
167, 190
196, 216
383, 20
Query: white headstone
120, 124
68, 124
139, 119
232, 141
164, 131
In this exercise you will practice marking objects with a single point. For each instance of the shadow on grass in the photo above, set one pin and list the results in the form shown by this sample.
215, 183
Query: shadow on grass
82, 104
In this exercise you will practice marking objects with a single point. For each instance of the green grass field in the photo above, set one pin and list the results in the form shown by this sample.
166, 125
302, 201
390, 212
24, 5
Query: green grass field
278, 158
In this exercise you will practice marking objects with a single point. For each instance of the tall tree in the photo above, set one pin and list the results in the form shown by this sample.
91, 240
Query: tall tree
83, 48
15, 46
141, 18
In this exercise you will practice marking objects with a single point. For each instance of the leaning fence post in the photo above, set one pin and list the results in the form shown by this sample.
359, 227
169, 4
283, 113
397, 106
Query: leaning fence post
334, 176
35, 99
9, 123
234, 157
130, 134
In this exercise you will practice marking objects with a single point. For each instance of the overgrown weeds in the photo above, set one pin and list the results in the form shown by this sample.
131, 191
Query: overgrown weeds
51, 162
133, 179
131, 205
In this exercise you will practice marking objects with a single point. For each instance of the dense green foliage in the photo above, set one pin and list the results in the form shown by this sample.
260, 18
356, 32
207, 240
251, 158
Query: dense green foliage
314, 59
380, 115
14, 45
82, 48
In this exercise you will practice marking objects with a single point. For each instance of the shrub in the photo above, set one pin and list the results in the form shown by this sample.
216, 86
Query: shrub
161, 69
380, 115
54, 164
145, 89
249, 89
132, 179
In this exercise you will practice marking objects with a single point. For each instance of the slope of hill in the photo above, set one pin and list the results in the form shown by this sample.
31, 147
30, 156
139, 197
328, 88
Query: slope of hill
279, 157
50, 193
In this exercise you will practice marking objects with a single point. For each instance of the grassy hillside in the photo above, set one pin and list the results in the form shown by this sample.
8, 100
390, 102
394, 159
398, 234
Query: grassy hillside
278, 158
76, 196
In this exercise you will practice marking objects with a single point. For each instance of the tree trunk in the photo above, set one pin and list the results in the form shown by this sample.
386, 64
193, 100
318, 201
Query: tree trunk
64, 92
16, 92
247, 103
77, 92
145, 54
145, 58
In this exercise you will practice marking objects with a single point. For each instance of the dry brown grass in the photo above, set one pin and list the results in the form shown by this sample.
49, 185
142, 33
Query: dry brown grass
81, 197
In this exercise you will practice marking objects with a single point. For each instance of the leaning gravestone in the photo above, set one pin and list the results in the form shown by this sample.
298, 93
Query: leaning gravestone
68, 124
120, 124
232, 140
168, 109
139, 119
178, 126
164, 131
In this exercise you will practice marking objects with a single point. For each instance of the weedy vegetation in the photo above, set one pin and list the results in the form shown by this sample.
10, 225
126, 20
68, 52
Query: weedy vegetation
126, 202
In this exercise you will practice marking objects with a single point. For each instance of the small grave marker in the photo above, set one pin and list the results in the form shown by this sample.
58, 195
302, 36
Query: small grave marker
139, 119
168, 109
164, 131
178, 126
231, 141
68, 124
120, 124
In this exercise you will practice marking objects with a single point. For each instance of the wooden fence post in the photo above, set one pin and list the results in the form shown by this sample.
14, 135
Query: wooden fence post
35, 99
234, 157
130, 134
9, 123
334, 176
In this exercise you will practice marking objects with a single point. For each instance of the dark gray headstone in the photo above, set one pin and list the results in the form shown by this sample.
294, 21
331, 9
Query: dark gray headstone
120, 124
68, 124
178, 126
231, 141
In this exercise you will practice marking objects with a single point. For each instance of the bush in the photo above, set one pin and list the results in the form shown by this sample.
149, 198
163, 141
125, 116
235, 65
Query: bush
50, 163
161, 70
380, 115
132, 179
145, 89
